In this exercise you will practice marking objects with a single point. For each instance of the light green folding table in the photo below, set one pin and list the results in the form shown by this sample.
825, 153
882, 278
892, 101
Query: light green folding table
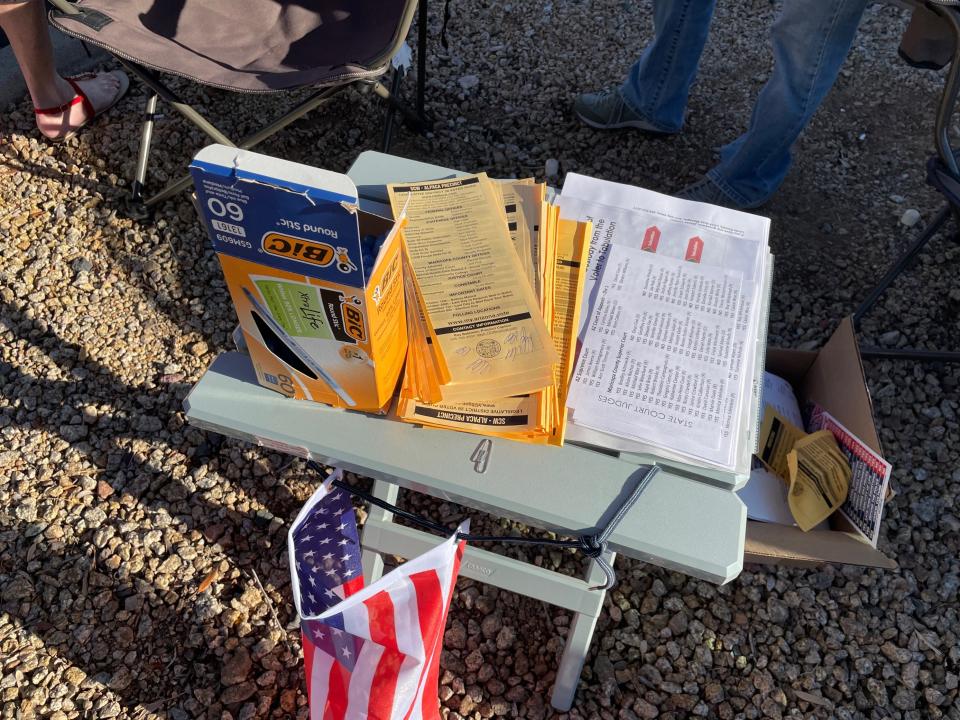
683, 521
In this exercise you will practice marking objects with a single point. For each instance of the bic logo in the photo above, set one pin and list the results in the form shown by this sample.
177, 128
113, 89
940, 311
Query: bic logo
311, 252
353, 318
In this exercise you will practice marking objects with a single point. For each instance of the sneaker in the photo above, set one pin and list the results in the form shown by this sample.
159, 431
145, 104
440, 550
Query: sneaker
606, 110
707, 191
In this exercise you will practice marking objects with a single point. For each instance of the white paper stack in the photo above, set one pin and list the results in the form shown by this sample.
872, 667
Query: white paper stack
673, 323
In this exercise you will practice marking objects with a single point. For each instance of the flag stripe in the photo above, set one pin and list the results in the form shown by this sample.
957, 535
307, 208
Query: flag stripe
319, 681
383, 701
380, 612
352, 586
336, 705
409, 640
429, 596
362, 689
406, 620
448, 573
308, 652
429, 700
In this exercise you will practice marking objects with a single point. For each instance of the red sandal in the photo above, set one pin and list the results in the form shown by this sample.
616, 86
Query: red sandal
82, 99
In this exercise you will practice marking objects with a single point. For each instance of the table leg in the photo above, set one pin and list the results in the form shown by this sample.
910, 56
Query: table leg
372, 561
578, 643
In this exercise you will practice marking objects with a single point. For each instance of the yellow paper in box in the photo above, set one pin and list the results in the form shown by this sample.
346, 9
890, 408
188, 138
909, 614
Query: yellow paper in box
819, 478
815, 470
518, 416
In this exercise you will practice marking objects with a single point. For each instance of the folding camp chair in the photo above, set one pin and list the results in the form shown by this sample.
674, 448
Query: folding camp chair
943, 169
249, 46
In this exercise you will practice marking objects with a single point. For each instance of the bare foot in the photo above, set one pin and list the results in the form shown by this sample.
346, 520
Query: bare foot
102, 90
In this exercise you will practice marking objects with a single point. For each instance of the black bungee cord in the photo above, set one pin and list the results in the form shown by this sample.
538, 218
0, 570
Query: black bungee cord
593, 546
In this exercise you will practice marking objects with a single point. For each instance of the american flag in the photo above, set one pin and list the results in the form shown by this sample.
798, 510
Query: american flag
324, 550
376, 654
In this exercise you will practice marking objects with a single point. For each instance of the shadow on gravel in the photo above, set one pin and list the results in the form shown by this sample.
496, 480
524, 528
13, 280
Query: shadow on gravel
18, 165
95, 619
165, 271
81, 597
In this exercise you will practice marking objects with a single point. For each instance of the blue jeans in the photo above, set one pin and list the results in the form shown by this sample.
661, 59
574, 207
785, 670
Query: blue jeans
811, 39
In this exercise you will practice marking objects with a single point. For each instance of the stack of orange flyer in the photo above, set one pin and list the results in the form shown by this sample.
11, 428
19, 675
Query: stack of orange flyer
494, 283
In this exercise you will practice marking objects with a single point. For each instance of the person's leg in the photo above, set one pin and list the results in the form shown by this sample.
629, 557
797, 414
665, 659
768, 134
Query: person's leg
659, 82
811, 39
25, 25
654, 95
26, 28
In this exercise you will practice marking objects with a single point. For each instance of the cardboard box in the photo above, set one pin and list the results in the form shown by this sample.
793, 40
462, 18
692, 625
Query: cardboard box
832, 377
321, 310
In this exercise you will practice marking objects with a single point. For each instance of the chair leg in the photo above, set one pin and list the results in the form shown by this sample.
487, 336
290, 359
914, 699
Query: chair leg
418, 124
388, 120
422, 60
900, 264
296, 113
951, 89
152, 80
945, 109
140, 209
940, 356
143, 155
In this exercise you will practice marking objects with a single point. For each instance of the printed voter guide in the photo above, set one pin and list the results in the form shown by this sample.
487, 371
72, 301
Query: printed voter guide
671, 325
659, 341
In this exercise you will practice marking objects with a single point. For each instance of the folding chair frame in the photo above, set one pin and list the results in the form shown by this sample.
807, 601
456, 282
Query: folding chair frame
945, 109
141, 208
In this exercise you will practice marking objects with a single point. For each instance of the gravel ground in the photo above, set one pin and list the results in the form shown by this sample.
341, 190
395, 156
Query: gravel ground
140, 558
